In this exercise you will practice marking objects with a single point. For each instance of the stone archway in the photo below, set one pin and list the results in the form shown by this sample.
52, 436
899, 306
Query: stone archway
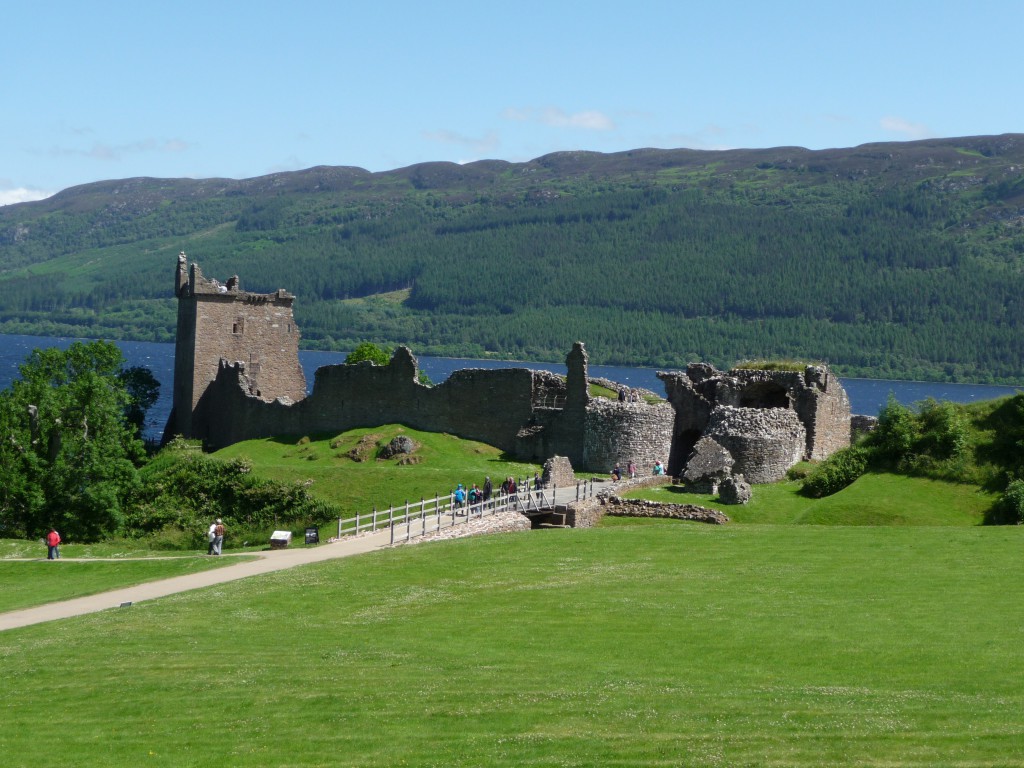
682, 447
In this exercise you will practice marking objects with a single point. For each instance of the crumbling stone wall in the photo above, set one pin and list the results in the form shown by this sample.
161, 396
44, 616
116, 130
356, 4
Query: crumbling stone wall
764, 442
485, 405
617, 433
814, 397
237, 377
221, 321
617, 507
558, 473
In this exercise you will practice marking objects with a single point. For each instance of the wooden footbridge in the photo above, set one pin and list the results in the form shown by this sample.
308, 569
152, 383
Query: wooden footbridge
544, 506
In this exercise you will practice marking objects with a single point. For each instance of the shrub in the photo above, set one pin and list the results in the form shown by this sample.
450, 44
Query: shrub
799, 471
1009, 510
835, 473
894, 438
184, 490
944, 432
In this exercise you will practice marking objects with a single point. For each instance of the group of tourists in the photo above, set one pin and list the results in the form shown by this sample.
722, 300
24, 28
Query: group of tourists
617, 473
472, 495
475, 494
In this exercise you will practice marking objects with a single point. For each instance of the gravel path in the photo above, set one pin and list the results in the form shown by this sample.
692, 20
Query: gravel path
266, 562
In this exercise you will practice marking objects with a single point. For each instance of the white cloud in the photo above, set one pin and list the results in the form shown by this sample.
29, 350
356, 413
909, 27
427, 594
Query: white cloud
588, 120
487, 143
909, 129
21, 195
108, 152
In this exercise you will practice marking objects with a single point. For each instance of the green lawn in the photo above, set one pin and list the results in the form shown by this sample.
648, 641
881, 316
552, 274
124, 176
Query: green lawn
675, 645
119, 549
874, 499
35, 583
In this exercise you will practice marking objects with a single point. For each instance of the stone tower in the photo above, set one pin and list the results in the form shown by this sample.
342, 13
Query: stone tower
222, 322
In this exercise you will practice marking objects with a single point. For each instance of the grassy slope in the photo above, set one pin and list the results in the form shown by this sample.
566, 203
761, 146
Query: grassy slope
359, 486
874, 499
674, 645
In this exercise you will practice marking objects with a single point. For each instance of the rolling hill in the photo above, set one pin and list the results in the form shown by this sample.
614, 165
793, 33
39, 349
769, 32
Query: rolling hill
901, 260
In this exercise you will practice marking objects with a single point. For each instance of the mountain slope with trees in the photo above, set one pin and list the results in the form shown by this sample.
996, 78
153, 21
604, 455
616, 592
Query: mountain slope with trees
902, 260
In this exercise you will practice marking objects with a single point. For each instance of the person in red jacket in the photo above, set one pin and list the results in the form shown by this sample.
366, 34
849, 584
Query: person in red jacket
53, 545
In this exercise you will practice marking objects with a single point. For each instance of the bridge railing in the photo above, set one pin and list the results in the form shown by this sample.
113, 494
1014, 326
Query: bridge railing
416, 518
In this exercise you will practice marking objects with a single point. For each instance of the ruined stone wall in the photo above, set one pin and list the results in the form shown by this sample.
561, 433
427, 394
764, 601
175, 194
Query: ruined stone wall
558, 473
220, 321
565, 431
815, 394
485, 405
692, 395
764, 442
824, 408
617, 433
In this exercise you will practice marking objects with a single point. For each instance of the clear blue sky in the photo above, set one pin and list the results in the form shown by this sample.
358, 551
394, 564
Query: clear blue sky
107, 90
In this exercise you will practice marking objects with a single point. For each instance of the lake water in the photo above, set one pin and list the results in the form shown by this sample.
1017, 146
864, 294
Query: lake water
867, 396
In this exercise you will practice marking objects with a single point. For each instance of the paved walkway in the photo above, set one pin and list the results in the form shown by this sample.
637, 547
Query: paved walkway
266, 562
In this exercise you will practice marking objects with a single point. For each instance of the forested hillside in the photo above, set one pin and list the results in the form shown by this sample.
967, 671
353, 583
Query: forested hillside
901, 260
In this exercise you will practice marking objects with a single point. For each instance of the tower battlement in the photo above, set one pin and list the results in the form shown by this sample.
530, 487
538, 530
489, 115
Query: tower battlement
220, 321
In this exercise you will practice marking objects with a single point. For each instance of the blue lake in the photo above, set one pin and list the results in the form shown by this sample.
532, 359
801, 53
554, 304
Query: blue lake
867, 396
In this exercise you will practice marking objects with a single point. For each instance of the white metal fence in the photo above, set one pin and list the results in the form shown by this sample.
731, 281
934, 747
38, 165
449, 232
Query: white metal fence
417, 518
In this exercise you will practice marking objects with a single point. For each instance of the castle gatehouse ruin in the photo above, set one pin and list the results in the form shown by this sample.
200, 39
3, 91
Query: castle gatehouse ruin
237, 377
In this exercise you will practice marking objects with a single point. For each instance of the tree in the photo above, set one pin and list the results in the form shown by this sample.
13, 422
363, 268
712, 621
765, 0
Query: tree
369, 351
143, 391
68, 454
378, 355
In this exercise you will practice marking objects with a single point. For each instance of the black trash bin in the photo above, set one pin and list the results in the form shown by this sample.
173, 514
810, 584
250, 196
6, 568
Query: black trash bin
312, 535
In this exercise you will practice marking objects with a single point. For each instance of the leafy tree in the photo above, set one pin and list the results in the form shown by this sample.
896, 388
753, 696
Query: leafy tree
369, 351
68, 455
143, 391
378, 355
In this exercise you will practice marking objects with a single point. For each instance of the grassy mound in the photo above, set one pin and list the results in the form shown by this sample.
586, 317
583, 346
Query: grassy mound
874, 499
343, 469
677, 645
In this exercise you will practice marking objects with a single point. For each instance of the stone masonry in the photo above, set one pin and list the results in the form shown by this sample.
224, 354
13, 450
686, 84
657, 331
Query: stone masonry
237, 377
218, 322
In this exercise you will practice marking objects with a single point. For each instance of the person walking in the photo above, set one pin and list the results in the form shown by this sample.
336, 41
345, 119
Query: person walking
53, 545
488, 488
211, 535
218, 536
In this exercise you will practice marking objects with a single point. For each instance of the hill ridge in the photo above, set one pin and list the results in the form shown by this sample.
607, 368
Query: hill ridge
893, 260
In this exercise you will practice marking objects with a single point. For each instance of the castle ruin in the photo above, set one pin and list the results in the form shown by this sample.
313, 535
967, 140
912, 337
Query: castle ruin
237, 377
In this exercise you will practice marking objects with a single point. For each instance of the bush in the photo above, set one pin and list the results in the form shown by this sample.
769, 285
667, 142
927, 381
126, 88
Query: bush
184, 490
1009, 510
893, 440
799, 471
835, 473
944, 432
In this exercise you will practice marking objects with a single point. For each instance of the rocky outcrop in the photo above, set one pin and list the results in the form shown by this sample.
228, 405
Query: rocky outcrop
734, 490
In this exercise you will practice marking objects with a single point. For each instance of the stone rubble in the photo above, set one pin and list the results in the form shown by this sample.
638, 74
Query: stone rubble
501, 522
